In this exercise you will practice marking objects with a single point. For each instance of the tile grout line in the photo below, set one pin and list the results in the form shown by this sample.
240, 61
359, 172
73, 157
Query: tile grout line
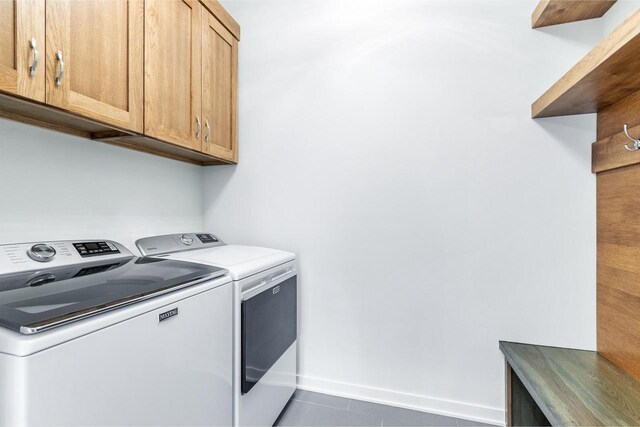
341, 410
320, 404
364, 412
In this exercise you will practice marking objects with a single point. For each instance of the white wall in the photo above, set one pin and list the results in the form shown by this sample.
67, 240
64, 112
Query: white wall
389, 144
618, 13
56, 186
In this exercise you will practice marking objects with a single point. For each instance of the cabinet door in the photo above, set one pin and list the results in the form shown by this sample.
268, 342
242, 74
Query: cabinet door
172, 80
95, 59
22, 48
219, 89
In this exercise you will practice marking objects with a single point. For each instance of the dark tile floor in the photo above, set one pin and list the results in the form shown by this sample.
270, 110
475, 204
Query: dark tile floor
314, 409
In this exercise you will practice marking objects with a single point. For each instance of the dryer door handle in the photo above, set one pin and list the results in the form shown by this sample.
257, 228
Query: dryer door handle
267, 283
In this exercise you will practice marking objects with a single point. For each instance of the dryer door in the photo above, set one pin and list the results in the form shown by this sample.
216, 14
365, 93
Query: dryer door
269, 327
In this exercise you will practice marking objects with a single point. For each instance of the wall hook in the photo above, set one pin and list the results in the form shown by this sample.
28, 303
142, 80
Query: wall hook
636, 142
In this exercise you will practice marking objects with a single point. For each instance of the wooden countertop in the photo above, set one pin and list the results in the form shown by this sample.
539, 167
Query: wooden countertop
575, 387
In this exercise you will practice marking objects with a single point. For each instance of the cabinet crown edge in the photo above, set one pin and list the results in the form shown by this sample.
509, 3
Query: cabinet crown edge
223, 16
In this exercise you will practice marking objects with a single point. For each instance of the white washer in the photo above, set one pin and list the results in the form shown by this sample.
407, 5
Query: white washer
91, 335
265, 318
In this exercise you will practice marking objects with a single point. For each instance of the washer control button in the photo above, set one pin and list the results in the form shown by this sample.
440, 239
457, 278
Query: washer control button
41, 252
186, 239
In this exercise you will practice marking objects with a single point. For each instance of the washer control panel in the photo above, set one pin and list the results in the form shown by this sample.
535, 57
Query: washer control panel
87, 249
41, 252
19, 257
159, 245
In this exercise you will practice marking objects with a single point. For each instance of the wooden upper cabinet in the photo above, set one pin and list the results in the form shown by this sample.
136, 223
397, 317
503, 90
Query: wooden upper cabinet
22, 48
159, 76
219, 89
94, 59
172, 79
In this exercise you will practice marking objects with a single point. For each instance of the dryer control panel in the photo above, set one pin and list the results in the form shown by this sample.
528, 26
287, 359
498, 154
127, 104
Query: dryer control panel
169, 243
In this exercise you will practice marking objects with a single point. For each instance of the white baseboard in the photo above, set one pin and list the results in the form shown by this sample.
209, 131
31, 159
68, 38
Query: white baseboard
416, 402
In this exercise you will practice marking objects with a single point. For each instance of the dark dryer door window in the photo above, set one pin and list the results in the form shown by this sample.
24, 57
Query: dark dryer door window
269, 327
38, 300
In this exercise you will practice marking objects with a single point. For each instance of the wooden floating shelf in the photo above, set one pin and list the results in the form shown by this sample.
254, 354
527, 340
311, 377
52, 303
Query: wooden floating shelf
553, 12
607, 74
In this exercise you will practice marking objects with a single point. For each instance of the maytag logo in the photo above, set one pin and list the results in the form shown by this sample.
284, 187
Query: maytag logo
276, 290
168, 314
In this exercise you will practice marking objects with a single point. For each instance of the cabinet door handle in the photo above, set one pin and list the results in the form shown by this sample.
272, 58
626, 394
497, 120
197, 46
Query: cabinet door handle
61, 71
34, 65
199, 127
206, 125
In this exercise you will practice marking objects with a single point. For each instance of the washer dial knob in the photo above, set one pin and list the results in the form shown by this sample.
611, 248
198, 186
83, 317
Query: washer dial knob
41, 252
186, 239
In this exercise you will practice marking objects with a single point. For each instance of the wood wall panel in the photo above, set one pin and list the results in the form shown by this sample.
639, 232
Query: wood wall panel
608, 151
618, 267
612, 118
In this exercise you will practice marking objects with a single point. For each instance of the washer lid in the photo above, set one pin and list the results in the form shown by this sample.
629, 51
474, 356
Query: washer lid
34, 301
241, 261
